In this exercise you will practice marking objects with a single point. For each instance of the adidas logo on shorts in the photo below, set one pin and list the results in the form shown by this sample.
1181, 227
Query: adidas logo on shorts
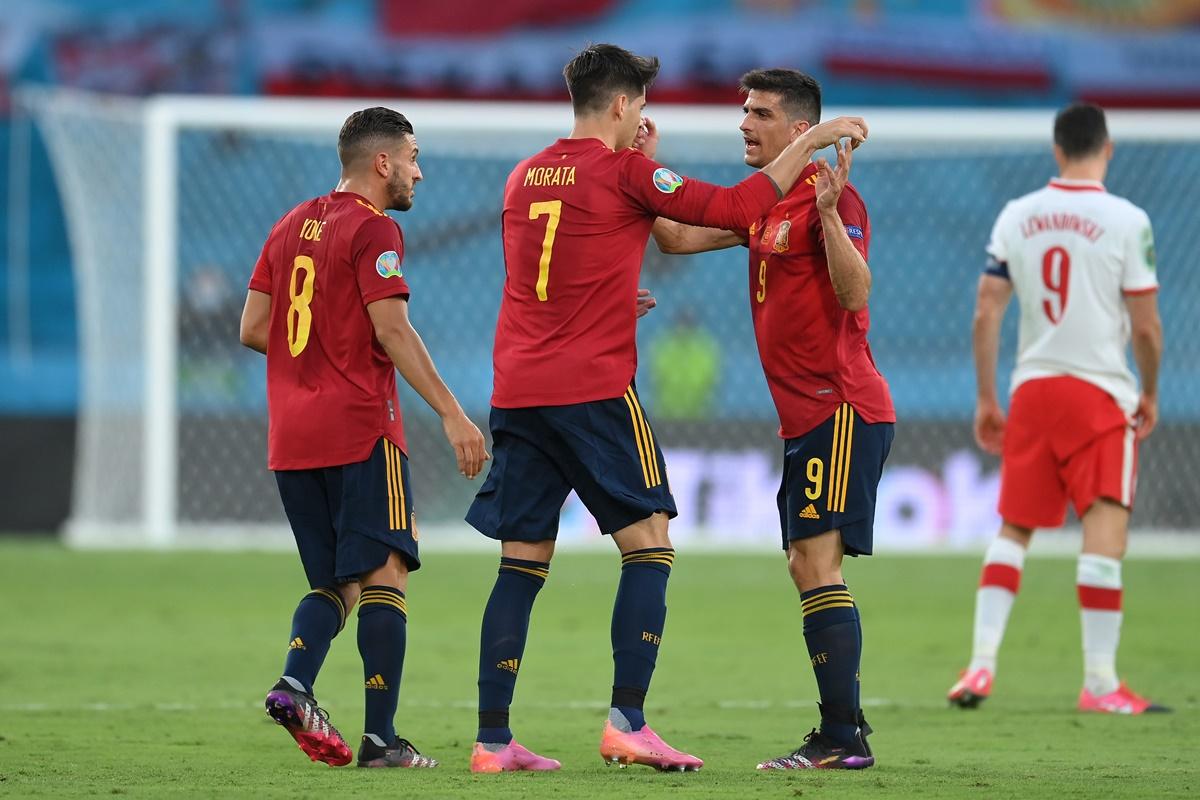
809, 512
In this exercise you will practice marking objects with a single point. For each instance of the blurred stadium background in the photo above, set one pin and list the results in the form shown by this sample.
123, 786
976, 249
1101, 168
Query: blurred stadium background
82, 440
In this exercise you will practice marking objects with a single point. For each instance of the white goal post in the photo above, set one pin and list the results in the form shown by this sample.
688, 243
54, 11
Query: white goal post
150, 183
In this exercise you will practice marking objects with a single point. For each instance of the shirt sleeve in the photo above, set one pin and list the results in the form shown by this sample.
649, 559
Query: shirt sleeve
1139, 274
854, 219
260, 279
664, 193
378, 253
997, 250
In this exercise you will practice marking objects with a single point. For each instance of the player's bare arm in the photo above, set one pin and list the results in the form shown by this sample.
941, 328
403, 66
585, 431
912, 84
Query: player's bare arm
848, 270
407, 351
256, 320
1146, 337
990, 303
676, 238
786, 168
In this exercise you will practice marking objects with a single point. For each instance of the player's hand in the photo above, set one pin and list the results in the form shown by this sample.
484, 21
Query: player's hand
989, 427
1146, 416
836, 129
647, 138
830, 182
645, 302
467, 442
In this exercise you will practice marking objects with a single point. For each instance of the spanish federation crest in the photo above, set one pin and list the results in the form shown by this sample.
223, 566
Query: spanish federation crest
781, 236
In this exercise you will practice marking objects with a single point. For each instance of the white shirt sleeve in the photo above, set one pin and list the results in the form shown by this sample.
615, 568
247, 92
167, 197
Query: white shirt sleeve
997, 248
1138, 273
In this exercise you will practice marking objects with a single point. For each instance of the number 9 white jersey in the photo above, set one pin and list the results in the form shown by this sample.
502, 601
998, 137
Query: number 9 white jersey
1072, 252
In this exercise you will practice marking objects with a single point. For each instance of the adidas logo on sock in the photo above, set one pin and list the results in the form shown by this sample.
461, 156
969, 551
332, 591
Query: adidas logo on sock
297, 644
809, 512
510, 665
376, 682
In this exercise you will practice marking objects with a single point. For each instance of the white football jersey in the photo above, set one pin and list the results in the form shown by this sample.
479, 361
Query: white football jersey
1072, 252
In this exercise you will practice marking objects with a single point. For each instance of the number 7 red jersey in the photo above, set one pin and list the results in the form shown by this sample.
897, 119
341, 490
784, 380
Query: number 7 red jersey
331, 388
576, 220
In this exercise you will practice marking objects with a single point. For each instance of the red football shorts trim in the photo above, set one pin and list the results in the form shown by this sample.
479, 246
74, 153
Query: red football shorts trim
1096, 598
1005, 576
1066, 441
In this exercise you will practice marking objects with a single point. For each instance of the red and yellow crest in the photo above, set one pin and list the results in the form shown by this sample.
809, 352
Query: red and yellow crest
781, 236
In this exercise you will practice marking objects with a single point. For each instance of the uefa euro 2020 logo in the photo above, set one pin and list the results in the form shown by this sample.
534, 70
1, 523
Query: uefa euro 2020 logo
388, 265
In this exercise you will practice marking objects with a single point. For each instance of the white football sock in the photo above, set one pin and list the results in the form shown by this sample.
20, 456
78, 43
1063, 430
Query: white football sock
998, 584
1099, 584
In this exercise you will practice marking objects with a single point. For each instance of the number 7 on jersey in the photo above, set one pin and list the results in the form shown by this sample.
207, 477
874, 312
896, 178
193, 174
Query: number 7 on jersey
553, 209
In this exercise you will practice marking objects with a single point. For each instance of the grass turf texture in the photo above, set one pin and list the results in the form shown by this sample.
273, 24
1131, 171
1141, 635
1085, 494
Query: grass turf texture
142, 674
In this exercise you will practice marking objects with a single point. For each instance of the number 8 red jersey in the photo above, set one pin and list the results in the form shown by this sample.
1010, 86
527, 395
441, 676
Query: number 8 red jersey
331, 388
1072, 251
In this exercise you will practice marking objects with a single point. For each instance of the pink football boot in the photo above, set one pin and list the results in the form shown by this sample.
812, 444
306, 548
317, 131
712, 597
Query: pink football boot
510, 758
644, 747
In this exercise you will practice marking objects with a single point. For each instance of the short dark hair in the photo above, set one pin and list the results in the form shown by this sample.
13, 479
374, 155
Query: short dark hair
366, 129
799, 94
602, 71
1080, 130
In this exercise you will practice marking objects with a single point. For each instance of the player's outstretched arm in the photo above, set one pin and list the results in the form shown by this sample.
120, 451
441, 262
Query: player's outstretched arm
1147, 340
407, 351
677, 238
786, 168
256, 320
990, 302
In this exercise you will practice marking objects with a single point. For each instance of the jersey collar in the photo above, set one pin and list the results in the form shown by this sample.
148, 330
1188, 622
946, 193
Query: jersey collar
1075, 185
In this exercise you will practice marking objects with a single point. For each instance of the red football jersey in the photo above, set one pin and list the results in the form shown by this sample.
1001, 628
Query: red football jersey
576, 220
814, 352
331, 388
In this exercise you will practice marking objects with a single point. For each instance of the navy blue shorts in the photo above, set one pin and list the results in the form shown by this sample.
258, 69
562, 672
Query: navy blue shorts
347, 520
830, 479
605, 450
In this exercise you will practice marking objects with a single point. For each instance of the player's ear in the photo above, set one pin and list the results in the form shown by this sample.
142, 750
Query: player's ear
1108, 150
798, 129
620, 106
383, 165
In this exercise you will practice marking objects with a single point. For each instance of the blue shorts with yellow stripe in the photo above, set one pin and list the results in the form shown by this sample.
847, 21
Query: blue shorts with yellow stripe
605, 450
348, 519
831, 477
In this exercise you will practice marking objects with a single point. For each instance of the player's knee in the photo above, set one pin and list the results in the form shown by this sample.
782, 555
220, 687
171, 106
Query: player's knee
393, 573
643, 534
349, 593
528, 551
816, 561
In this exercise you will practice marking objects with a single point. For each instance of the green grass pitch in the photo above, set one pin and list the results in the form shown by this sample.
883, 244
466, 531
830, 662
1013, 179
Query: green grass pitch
142, 675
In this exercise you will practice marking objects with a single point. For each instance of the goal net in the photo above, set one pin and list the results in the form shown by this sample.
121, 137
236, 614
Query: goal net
168, 201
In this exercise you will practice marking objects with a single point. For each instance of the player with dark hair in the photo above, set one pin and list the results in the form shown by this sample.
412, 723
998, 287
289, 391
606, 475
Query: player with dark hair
1081, 263
809, 284
328, 305
565, 411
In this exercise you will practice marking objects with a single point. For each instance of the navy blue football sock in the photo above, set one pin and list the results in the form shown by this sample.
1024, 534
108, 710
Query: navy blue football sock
831, 630
639, 614
318, 618
382, 635
502, 643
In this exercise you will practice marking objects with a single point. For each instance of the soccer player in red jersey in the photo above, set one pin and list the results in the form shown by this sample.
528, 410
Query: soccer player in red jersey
565, 413
1081, 262
328, 305
809, 284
